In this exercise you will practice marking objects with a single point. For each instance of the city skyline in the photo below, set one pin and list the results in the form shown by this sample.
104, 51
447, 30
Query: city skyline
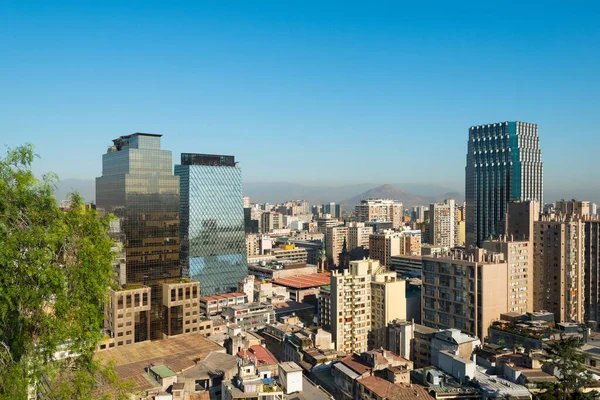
322, 79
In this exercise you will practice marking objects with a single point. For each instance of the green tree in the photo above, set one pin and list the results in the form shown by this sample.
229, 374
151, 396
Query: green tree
55, 271
568, 362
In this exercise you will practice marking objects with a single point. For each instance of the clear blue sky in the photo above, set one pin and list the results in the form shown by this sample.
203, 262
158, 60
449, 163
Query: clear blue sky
302, 91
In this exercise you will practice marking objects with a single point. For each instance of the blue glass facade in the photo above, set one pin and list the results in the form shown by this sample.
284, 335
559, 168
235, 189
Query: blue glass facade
213, 244
504, 163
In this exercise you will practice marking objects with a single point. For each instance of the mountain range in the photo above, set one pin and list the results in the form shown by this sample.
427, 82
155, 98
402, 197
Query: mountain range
409, 194
279, 192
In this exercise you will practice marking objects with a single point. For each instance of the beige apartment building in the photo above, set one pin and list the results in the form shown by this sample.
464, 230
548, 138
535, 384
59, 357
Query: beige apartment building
558, 269
464, 290
581, 208
383, 246
380, 210
252, 247
460, 226
270, 221
442, 223
519, 255
327, 222
358, 235
335, 238
364, 299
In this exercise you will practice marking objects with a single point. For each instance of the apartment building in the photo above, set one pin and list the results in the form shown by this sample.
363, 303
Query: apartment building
251, 316
558, 269
464, 290
380, 210
383, 246
442, 223
358, 235
363, 299
335, 239
270, 221
213, 305
519, 255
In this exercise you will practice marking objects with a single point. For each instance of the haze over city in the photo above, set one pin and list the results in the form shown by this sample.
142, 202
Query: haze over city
299, 200
314, 94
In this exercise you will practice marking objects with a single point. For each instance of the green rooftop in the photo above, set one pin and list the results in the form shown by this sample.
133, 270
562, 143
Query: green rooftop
162, 371
326, 287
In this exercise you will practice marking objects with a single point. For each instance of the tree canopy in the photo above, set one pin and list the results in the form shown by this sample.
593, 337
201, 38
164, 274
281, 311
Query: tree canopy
563, 356
55, 271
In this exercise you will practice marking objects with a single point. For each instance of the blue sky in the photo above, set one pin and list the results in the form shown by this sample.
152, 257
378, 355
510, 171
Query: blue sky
307, 92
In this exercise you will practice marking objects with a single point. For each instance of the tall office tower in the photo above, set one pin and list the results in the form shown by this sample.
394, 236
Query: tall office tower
558, 269
213, 242
383, 246
364, 299
466, 291
380, 210
335, 210
442, 223
271, 220
358, 235
138, 186
335, 238
504, 163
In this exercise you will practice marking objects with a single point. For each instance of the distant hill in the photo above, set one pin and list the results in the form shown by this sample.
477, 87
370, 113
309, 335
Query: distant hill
395, 193
278, 192
85, 187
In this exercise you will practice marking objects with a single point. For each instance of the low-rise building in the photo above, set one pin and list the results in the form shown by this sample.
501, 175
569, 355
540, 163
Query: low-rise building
250, 316
213, 305
304, 287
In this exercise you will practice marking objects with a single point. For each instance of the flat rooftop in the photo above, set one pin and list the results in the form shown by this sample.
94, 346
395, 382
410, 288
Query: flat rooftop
176, 353
304, 281
223, 296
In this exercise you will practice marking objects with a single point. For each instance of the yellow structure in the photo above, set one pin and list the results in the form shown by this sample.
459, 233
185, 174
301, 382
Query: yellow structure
364, 299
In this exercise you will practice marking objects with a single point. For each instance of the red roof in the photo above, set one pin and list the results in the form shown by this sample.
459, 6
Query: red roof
305, 281
355, 363
258, 353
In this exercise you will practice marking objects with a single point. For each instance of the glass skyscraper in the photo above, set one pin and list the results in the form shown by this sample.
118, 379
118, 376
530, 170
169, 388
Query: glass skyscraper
213, 242
504, 163
138, 186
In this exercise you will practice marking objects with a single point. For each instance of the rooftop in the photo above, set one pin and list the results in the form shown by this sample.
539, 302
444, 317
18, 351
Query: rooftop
162, 371
176, 353
290, 366
305, 281
389, 390
258, 353
222, 296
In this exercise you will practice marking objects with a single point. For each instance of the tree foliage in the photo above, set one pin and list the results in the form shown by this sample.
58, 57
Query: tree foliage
55, 271
563, 356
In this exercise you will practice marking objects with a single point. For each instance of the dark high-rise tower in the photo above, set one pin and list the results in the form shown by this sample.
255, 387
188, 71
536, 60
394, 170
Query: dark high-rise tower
504, 163
213, 242
138, 186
